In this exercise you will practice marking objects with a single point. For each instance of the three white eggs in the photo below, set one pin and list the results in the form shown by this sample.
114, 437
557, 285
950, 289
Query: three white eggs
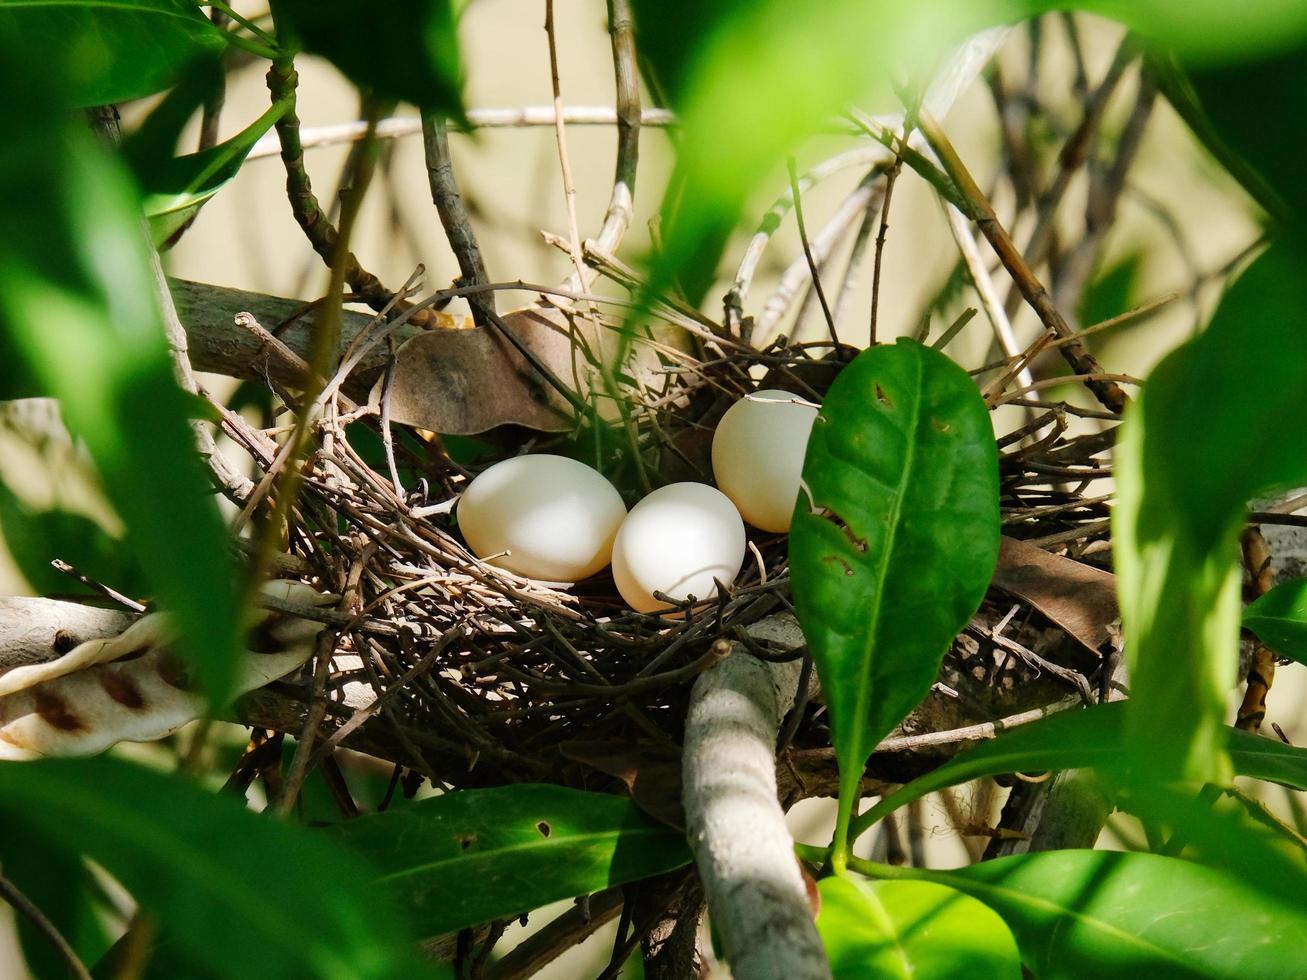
553, 518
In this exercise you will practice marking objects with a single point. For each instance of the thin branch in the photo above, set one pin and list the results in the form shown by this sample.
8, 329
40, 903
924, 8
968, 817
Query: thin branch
807, 250
453, 214
626, 81
24, 906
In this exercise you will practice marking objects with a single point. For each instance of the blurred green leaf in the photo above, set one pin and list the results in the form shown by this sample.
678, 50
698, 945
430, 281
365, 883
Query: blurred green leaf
1092, 738
1107, 915
179, 188
473, 855
63, 888
109, 50
154, 141
419, 38
37, 537
1112, 291
1279, 619
914, 930
79, 313
1197, 445
239, 895
893, 546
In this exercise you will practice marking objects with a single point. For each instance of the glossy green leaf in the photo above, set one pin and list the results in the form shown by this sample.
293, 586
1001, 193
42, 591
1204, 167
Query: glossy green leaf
79, 314
178, 189
240, 895
473, 855
111, 50
419, 37
913, 930
895, 542
1099, 914
1092, 738
1279, 618
1193, 449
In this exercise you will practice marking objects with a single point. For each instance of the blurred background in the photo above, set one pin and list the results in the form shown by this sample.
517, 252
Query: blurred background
1181, 224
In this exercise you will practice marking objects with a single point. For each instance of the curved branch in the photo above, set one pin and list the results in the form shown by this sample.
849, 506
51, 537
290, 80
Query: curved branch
621, 204
755, 889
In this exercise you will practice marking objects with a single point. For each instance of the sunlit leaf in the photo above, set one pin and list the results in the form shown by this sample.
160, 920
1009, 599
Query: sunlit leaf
421, 64
1092, 738
473, 855
895, 541
79, 314
1099, 914
913, 930
177, 190
1279, 618
1193, 450
237, 894
111, 50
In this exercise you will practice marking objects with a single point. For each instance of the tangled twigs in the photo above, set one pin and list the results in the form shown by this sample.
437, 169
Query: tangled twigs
1108, 392
1261, 666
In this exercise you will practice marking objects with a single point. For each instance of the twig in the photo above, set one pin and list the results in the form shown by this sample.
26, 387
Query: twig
60, 565
28, 910
807, 248
572, 927
454, 215
1108, 392
891, 178
397, 127
626, 81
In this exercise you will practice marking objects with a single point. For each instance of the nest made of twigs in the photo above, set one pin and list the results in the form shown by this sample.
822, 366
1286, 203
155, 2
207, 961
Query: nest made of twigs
484, 676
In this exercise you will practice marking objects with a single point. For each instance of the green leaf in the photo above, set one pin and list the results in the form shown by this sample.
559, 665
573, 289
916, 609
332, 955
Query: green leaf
473, 855
1279, 619
893, 551
240, 895
36, 537
110, 50
1091, 738
419, 37
63, 888
914, 930
1098, 914
177, 190
79, 313
1193, 449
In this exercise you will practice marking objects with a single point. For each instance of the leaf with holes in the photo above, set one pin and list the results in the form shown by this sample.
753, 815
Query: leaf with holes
473, 855
1106, 915
112, 51
1279, 619
913, 930
1090, 739
895, 541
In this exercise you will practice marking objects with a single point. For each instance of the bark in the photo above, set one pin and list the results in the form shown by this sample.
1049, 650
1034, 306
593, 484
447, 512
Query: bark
755, 889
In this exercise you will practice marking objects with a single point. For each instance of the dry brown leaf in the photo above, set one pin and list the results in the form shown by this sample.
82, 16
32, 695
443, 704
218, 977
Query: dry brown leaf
1077, 597
462, 382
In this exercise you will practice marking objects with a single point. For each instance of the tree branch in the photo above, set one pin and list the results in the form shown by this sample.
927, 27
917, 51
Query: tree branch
755, 889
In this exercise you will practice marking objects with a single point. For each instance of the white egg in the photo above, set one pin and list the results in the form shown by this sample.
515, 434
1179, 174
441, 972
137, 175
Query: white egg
546, 517
677, 541
757, 455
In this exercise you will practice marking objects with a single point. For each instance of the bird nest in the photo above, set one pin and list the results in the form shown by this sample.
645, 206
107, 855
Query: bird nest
456, 669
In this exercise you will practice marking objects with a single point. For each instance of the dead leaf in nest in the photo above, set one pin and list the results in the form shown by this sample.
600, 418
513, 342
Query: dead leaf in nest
1077, 597
652, 778
462, 382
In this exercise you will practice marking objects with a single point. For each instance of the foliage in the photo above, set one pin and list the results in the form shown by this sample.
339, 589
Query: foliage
893, 545
894, 539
